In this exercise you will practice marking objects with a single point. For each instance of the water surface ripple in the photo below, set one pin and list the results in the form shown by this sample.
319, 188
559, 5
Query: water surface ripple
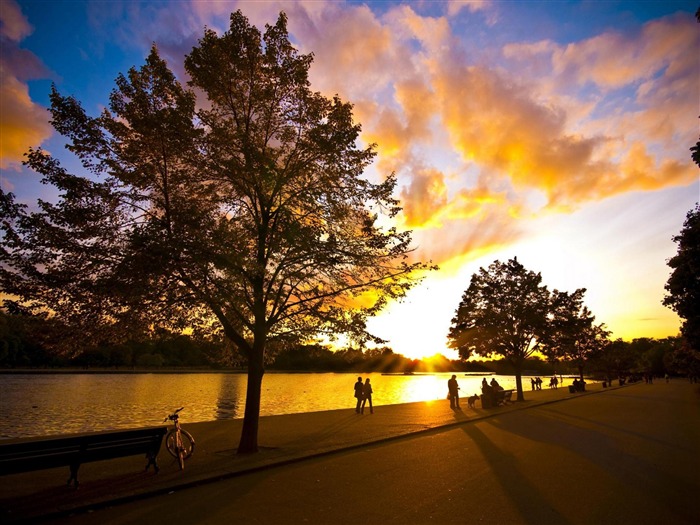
49, 404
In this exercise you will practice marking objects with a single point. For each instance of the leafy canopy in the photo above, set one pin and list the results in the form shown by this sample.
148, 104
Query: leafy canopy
236, 207
683, 285
507, 311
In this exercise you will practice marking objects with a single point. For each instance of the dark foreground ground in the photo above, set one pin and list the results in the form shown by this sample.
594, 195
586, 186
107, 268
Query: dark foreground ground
622, 455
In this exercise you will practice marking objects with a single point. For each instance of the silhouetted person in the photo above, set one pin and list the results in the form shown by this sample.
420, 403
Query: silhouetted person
486, 394
367, 396
358, 394
495, 386
453, 389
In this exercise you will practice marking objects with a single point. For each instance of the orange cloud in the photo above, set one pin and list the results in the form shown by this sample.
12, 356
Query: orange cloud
641, 168
14, 26
455, 6
494, 124
354, 54
526, 130
489, 227
477, 147
424, 198
661, 44
477, 144
399, 126
23, 123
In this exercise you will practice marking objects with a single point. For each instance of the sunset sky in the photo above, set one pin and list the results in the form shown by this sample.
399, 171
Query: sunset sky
557, 132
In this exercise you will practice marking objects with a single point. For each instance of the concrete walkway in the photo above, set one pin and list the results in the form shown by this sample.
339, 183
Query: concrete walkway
493, 453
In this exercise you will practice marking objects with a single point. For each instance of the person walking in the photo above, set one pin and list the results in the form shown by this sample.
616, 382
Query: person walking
367, 396
453, 389
359, 388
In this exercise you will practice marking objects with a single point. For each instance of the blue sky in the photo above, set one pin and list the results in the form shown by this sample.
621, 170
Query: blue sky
557, 132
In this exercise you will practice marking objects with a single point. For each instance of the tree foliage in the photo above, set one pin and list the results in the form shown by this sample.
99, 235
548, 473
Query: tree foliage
683, 285
507, 311
573, 336
235, 208
695, 152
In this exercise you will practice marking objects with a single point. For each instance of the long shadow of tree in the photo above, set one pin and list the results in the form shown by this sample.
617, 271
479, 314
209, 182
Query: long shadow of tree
615, 451
531, 504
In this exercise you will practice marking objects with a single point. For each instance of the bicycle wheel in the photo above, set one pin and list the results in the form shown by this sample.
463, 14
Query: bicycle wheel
186, 442
171, 442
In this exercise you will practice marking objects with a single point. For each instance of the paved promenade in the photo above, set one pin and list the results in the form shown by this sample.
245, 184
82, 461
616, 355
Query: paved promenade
618, 455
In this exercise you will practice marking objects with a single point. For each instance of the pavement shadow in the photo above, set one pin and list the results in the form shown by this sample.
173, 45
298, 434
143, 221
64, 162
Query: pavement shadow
531, 504
603, 445
325, 432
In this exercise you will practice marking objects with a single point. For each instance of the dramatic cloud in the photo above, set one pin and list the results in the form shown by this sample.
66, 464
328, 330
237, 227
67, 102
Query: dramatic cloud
424, 198
13, 25
662, 44
478, 138
500, 122
524, 138
23, 123
355, 55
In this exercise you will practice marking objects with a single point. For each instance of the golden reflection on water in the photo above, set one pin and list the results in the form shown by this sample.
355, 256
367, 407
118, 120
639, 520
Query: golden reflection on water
45, 404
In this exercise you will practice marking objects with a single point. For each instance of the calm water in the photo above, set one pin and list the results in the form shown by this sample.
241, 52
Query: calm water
44, 404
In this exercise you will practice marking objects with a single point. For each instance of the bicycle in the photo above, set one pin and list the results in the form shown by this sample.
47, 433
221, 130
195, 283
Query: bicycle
179, 443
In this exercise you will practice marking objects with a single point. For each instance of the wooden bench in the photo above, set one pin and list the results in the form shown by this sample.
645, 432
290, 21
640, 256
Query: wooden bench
492, 399
73, 451
503, 397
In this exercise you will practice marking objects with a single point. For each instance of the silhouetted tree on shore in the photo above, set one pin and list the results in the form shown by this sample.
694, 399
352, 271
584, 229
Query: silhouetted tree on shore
507, 311
683, 286
238, 208
574, 338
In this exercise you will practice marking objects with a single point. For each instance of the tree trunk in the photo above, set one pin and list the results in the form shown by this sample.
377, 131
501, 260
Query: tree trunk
580, 372
517, 367
251, 418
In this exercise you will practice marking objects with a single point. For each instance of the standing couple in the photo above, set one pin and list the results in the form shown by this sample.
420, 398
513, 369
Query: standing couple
363, 393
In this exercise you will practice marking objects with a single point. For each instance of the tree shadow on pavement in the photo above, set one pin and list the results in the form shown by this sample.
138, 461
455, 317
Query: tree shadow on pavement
531, 504
618, 454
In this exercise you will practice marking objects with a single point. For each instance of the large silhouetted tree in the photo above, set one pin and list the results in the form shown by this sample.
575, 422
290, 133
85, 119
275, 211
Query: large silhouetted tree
236, 208
683, 285
508, 312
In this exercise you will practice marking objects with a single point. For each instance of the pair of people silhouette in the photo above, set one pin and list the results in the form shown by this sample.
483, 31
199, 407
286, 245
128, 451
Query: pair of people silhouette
363, 393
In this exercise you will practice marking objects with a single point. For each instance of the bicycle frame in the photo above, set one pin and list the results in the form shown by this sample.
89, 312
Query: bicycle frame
179, 442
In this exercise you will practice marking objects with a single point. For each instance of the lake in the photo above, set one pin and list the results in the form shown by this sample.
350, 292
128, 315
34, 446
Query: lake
49, 404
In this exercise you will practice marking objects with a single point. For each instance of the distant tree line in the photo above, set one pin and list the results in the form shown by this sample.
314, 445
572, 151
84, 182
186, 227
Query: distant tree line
28, 341
36, 341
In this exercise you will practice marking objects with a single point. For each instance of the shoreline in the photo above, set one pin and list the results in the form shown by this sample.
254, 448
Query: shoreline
425, 406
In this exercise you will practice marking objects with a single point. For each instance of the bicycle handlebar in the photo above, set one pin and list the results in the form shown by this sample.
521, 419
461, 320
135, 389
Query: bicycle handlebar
174, 416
